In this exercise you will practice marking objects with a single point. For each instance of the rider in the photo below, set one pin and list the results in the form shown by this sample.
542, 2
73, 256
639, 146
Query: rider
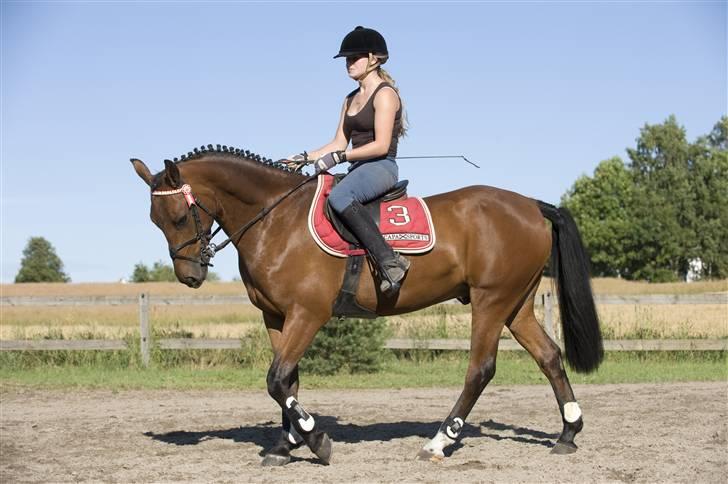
371, 117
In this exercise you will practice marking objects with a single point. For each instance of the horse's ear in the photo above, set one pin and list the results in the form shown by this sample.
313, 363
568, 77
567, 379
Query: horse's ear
173, 176
142, 171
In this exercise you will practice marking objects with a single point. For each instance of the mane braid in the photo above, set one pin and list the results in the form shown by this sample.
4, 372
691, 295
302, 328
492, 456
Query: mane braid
203, 150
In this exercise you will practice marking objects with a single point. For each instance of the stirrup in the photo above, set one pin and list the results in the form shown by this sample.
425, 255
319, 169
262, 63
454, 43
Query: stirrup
388, 287
387, 284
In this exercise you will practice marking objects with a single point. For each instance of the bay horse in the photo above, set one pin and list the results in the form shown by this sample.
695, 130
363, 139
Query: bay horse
492, 248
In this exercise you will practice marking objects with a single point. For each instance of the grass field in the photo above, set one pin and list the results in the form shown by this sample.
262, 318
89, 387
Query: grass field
443, 321
233, 321
446, 370
247, 368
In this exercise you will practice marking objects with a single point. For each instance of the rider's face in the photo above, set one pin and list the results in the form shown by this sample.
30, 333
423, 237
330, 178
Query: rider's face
356, 65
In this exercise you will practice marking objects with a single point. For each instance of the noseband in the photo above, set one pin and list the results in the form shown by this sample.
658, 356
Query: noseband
207, 249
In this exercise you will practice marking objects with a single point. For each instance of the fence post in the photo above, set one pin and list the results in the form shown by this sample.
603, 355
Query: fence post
144, 332
548, 318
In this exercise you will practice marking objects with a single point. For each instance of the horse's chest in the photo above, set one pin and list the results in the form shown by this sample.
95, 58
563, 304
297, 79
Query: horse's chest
258, 299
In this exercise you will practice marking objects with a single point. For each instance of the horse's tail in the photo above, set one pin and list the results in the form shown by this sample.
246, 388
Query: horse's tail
570, 269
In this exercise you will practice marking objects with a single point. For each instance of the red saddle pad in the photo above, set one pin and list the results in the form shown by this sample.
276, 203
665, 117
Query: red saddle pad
405, 223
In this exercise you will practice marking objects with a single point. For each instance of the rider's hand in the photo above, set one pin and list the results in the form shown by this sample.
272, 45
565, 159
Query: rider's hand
296, 162
329, 160
301, 157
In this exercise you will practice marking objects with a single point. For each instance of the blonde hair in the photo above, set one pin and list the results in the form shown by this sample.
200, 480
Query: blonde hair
403, 124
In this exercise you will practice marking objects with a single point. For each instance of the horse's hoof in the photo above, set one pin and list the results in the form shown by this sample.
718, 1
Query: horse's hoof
324, 449
426, 455
563, 448
275, 460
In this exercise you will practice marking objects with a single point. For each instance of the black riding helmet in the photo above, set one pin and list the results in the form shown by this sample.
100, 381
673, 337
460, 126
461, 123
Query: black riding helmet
362, 40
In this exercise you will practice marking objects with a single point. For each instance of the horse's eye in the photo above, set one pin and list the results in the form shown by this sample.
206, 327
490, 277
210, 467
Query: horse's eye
180, 222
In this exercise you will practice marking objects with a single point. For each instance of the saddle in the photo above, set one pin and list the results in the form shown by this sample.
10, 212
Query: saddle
405, 224
399, 190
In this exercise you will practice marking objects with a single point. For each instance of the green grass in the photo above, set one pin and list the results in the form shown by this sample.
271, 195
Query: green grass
445, 370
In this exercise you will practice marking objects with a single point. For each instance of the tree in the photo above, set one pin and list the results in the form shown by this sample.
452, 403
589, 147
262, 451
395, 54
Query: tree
141, 273
40, 263
710, 186
718, 138
350, 345
602, 207
664, 238
667, 208
161, 272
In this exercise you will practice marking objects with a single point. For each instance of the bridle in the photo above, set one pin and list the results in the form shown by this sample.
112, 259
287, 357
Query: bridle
207, 248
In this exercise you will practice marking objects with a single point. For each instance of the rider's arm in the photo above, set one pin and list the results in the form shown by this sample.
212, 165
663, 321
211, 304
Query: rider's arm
386, 105
339, 143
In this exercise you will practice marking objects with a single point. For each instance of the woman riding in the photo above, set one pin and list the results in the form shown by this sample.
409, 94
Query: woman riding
371, 118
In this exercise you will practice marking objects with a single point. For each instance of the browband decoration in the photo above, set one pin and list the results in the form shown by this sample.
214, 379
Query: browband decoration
185, 190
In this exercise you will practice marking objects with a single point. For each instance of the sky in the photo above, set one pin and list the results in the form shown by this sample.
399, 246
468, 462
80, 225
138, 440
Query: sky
536, 93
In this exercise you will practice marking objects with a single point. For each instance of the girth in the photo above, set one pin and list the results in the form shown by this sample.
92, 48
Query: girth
399, 190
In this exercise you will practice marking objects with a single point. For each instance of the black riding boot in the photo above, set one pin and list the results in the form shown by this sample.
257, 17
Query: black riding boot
392, 267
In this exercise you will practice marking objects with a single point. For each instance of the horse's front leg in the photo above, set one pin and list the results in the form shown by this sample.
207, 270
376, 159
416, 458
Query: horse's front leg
300, 328
289, 438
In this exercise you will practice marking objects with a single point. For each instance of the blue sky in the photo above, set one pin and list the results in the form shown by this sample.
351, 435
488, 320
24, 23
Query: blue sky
536, 93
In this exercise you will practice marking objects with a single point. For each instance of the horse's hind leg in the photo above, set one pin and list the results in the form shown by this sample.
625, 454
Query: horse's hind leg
533, 338
487, 324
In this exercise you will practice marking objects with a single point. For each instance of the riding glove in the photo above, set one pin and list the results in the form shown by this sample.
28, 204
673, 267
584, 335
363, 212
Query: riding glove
329, 160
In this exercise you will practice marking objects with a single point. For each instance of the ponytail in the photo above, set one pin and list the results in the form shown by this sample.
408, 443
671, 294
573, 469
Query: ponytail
404, 124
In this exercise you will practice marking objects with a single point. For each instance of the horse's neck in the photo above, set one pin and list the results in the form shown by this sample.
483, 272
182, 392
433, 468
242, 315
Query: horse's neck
241, 188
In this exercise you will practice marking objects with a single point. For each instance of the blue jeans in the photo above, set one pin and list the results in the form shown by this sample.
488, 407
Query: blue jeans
365, 182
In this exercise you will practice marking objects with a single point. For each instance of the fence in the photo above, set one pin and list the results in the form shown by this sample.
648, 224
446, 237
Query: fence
144, 301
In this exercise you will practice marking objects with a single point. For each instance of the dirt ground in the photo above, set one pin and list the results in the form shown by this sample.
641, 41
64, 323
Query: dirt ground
655, 433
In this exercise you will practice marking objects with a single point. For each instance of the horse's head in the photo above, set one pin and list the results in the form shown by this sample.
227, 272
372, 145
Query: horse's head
175, 211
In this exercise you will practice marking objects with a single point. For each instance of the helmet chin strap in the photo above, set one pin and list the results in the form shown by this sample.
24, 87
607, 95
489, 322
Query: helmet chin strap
372, 65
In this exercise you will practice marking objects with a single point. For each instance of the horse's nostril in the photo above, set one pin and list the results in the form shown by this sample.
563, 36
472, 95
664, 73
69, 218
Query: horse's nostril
192, 281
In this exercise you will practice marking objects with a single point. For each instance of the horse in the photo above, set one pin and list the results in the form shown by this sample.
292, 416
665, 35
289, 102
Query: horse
492, 248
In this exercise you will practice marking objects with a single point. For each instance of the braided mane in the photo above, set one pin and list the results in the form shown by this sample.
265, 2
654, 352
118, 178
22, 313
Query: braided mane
237, 152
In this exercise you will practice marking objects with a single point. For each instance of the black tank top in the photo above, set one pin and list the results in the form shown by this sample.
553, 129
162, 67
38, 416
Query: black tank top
360, 127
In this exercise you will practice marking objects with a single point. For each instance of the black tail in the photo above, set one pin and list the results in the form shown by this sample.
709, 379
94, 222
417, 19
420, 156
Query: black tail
570, 268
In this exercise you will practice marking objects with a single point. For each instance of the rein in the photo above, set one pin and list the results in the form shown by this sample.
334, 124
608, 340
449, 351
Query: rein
207, 248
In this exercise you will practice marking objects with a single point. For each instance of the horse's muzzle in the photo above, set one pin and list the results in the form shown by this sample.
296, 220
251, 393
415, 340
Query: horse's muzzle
192, 282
